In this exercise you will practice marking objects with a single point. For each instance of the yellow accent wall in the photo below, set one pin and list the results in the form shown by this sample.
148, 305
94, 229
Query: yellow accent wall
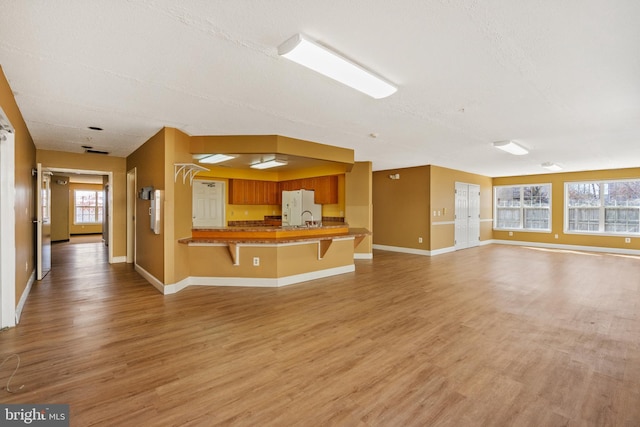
149, 161
403, 208
25, 161
358, 200
59, 208
557, 181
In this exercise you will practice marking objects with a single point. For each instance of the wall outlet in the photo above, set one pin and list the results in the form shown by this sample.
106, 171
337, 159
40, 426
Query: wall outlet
556, 236
434, 213
627, 239
511, 233
256, 261
419, 239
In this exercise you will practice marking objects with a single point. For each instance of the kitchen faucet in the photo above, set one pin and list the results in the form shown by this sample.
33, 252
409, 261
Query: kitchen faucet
302, 215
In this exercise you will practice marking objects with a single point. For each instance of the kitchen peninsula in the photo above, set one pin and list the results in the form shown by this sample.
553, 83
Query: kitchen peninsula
270, 256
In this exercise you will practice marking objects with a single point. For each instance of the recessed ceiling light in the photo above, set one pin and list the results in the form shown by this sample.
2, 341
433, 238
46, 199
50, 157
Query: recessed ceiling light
216, 158
302, 50
269, 164
511, 147
95, 128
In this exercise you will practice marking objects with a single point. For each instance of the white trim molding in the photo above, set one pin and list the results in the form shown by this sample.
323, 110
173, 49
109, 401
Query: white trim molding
119, 259
24, 296
357, 255
150, 278
569, 247
415, 251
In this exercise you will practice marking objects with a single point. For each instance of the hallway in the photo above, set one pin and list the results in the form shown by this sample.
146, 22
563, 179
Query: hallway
462, 339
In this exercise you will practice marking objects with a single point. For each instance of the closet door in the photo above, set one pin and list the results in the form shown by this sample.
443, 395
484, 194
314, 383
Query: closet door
467, 215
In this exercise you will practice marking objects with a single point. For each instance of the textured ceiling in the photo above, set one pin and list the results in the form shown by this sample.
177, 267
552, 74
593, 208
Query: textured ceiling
561, 77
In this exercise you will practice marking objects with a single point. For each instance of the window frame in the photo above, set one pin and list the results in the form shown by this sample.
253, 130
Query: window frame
522, 208
99, 208
601, 209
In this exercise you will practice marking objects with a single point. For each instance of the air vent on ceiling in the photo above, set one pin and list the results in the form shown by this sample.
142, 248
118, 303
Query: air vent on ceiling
96, 151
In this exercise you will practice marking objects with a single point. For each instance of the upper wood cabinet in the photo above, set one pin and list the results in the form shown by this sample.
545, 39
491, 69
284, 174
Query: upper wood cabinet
252, 192
325, 188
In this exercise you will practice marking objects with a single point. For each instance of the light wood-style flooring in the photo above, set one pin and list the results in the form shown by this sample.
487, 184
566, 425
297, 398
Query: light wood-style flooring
489, 336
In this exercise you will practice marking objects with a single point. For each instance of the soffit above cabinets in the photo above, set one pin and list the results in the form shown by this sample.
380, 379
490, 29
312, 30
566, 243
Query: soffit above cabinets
251, 149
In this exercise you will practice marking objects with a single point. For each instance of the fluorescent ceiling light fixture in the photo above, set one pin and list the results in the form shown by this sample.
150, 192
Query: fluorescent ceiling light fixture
551, 166
305, 52
269, 164
216, 158
511, 147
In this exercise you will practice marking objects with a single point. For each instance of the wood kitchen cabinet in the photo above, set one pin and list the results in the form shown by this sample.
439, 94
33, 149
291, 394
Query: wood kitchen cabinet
252, 192
325, 188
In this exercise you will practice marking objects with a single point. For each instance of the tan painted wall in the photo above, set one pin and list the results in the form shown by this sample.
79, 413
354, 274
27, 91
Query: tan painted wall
81, 228
177, 207
282, 261
59, 208
443, 182
401, 208
98, 162
25, 161
359, 202
557, 181
149, 161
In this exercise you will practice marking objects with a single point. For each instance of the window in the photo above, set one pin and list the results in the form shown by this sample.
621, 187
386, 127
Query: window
88, 207
522, 207
603, 207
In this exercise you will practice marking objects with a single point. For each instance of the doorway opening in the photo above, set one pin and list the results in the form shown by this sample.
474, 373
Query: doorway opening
84, 205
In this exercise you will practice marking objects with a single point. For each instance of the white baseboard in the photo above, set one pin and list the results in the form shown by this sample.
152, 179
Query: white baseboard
150, 278
414, 251
442, 251
241, 281
24, 296
270, 282
118, 259
403, 250
569, 247
363, 255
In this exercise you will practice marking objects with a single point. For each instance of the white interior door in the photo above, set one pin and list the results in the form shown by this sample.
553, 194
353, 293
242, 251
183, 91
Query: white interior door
7, 225
461, 216
208, 203
467, 215
43, 223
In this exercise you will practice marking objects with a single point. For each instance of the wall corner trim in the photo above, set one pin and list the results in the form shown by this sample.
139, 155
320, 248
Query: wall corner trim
23, 297
150, 278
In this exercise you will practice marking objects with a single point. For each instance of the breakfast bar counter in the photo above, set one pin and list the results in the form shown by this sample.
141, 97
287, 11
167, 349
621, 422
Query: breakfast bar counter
271, 255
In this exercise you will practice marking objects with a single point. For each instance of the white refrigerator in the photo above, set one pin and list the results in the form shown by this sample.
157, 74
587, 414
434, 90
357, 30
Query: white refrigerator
298, 207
